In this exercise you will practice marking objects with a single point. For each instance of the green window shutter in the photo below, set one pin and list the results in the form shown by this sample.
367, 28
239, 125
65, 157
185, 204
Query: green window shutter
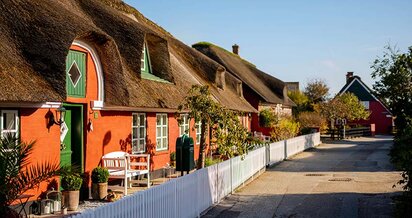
76, 74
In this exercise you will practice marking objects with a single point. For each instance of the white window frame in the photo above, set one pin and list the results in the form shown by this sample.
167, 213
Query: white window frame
198, 131
184, 125
3, 132
163, 139
143, 58
139, 137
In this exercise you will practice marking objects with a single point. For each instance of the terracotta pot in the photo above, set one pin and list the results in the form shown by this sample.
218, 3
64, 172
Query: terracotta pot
99, 191
71, 199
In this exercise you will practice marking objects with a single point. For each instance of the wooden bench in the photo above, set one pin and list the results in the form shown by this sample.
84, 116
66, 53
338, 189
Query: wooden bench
125, 166
262, 137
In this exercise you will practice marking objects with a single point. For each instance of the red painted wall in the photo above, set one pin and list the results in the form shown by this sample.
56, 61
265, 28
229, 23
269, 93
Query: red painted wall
383, 124
111, 131
33, 127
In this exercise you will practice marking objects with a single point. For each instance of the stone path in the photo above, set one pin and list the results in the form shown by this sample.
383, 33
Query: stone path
351, 178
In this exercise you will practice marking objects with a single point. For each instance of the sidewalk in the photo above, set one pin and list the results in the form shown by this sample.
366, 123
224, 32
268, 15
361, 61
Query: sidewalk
351, 178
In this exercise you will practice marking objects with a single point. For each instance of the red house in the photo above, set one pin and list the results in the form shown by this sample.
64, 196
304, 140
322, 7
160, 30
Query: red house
380, 114
119, 76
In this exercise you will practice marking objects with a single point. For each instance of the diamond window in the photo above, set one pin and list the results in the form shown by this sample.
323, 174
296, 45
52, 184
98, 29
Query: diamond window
74, 74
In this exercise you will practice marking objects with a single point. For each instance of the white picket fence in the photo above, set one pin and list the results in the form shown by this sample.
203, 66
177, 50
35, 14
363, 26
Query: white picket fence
190, 195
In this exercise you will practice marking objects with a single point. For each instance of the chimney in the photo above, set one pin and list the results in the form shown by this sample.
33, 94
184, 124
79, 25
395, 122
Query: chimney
349, 76
235, 49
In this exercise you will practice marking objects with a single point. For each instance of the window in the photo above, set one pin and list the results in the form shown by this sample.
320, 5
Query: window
143, 59
145, 66
76, 63
9, 123
198, 131
365, 104
139, 133
184, 125
161, 132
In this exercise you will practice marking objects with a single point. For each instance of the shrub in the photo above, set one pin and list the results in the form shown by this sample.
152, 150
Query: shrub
100, 175
209, 161
173, 156
267, 118
401, 156
72, 182
309, 120
173, 159
286, 128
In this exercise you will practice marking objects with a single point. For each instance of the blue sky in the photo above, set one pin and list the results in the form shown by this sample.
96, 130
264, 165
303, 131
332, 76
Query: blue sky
292, 40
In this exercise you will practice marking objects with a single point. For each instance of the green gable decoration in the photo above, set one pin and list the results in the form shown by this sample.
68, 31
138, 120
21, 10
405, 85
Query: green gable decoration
76, 74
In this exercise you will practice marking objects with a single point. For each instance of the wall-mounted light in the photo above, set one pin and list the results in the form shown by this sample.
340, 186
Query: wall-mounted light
60, 115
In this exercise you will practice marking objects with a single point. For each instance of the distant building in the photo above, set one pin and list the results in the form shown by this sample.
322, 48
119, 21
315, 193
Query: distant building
380, 114
292, 86
260, 89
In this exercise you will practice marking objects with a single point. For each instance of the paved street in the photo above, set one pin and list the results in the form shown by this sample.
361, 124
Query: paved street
351, 178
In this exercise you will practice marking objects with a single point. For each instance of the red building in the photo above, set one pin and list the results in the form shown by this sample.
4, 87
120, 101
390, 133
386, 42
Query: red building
380, 115
119, 76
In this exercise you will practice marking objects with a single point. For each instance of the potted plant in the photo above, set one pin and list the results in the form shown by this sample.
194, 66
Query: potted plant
100, 176
71, 183
173, 159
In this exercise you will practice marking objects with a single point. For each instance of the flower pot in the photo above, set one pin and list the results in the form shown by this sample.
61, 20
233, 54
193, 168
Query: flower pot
99, 191
71, 199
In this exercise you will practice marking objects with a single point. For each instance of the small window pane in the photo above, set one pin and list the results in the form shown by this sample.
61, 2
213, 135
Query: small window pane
142, 120
135, 136
158, 120
141, 133
135, 120
164, 133
9, 121
142, 141
164, 119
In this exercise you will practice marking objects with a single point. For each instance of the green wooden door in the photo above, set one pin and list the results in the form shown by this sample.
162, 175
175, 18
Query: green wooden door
66, 140
76, 74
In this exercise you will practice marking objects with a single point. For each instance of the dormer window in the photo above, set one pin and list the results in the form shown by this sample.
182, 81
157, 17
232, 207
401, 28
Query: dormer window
146, 68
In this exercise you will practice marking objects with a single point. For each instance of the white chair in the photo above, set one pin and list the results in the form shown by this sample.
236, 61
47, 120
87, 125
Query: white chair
122, 165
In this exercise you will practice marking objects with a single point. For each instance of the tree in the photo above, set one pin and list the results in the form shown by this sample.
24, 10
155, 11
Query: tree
230, 135
394, 71
353, 108
16, 175
301, 100
317, 91
344, 106
394, 86
227, 130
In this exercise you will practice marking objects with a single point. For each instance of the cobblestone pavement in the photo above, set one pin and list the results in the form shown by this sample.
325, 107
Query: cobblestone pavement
350, 178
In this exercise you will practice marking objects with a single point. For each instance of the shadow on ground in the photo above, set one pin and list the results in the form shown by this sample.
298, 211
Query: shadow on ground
306, 205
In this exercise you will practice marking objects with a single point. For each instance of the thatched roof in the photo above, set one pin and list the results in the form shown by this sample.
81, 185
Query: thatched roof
35, 37
270, 89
